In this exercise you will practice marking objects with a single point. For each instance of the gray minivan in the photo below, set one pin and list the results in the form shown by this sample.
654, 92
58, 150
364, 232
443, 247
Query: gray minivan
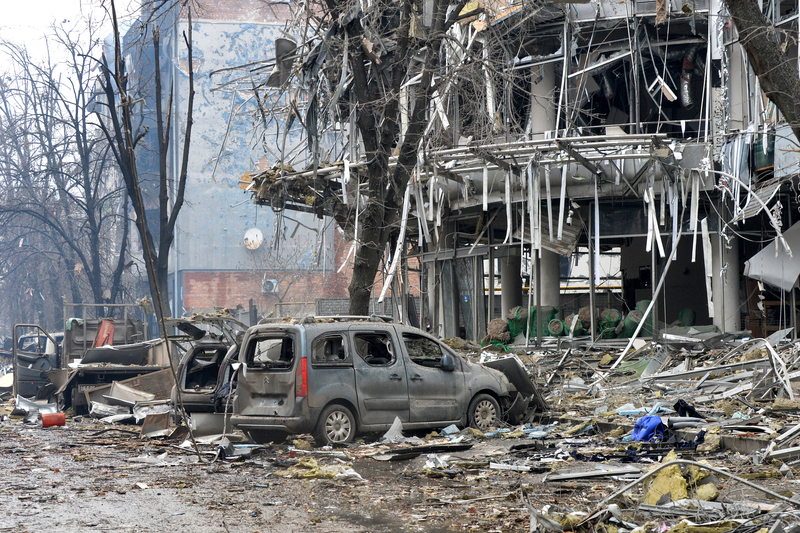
338, 378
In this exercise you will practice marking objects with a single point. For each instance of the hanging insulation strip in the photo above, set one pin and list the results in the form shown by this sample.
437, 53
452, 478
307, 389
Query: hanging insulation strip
400, 240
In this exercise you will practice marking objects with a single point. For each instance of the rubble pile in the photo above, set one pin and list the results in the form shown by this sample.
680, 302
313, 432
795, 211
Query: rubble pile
691, 432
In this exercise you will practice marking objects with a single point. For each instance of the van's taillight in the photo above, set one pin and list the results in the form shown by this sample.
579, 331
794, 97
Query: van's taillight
301, 379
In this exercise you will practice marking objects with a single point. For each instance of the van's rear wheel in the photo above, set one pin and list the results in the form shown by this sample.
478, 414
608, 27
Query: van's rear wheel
484, 412
336, 425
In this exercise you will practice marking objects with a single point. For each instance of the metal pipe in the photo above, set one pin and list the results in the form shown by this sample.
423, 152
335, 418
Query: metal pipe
687, 72
608, 85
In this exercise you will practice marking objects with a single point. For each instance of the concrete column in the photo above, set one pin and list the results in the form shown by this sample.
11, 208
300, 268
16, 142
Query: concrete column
511, 282
550, 279
725, 289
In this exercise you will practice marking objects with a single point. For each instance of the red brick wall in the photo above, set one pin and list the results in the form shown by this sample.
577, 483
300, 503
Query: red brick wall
205, 291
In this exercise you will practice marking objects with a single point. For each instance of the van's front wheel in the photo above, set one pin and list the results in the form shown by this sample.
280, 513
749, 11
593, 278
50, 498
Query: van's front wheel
484, 412
336, 425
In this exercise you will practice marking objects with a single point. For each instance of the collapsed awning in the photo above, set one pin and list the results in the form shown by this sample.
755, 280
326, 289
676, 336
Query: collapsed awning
765, 192
779, 271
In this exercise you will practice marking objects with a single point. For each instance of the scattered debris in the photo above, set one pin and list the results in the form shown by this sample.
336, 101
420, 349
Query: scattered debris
694, 437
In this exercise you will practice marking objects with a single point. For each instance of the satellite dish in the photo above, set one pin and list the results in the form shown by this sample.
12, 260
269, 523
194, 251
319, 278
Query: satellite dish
253, 238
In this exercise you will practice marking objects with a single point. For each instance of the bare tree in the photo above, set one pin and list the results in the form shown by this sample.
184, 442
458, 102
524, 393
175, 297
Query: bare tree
384, 88
121, 125
58, 175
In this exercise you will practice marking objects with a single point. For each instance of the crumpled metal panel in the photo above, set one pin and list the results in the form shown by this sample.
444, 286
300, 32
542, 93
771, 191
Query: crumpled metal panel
563, 247
779, 270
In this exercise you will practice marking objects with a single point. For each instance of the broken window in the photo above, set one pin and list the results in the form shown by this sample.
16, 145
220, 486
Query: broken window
422, 350
270, 352
375, 348
330, 351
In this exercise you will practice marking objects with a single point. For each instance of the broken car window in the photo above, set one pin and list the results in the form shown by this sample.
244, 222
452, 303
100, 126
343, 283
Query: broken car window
375, 348
204, 368
272, 352
330, 351
422, 350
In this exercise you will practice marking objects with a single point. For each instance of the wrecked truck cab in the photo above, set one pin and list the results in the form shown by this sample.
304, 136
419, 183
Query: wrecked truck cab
35, 352
98, 351
338, 377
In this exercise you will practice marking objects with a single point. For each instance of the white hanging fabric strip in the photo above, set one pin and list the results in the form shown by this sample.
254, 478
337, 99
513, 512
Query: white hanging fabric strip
485, 187
649, 242
400, 240
353, 245
684, 186
345, 179
707, 262
423, 225
529, 171
653, 230
654, 221
736, 150
432, 183
694, 177
561, 202
662, 206
509, 224
440, 194
437, 100
387, 253
537, 209
549, 204
523, 214
674, 213
596, 236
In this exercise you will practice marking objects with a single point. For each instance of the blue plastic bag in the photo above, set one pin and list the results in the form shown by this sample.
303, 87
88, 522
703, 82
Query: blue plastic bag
648, 428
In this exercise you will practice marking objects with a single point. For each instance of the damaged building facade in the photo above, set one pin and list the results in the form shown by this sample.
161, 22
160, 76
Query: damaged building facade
226, 251
632, 135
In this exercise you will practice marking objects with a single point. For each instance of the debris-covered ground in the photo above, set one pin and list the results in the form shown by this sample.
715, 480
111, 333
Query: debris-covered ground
697, 434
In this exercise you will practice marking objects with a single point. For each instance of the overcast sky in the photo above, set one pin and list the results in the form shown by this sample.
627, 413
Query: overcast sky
28, 21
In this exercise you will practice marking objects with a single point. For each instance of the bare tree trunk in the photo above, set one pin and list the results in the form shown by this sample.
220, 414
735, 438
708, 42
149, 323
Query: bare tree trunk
776, 71
124, 141
387, 186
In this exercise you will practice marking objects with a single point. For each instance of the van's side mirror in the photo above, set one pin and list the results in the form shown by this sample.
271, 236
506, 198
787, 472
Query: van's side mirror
448, 363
